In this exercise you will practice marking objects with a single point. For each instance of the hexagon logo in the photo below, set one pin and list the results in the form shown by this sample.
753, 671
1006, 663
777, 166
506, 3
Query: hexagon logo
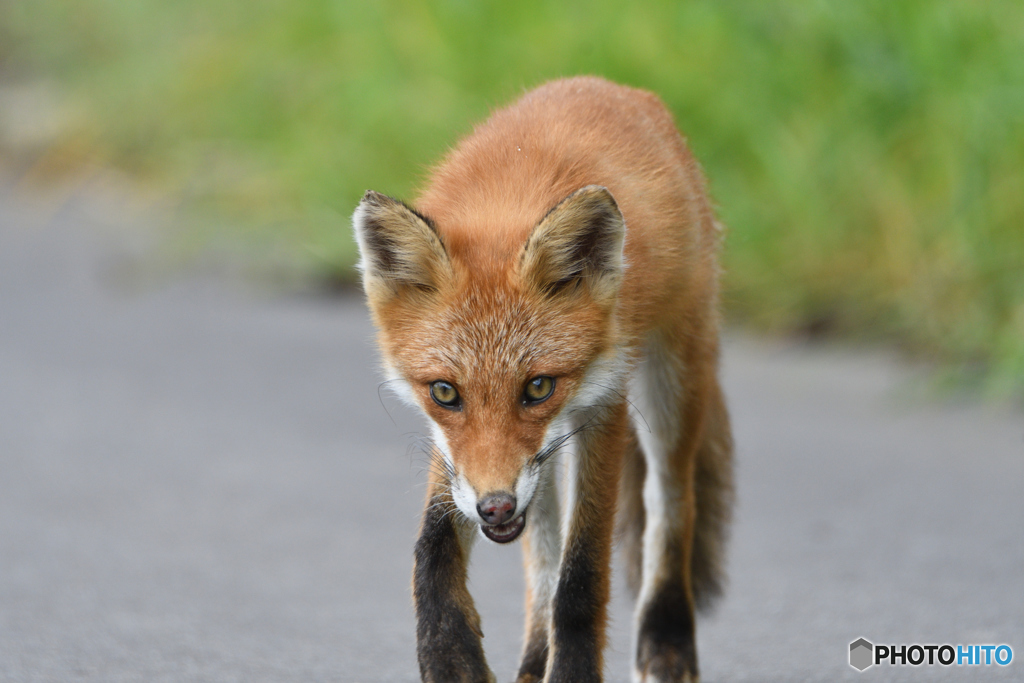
861, 654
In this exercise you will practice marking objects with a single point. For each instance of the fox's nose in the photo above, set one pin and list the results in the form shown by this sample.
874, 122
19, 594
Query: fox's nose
496, 508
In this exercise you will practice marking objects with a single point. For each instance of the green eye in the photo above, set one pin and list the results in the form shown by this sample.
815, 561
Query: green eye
444, 394
539, 389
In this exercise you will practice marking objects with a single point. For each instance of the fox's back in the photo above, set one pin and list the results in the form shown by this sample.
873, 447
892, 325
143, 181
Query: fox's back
499, 182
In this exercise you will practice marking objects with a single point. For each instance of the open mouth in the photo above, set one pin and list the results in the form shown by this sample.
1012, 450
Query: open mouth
507, 532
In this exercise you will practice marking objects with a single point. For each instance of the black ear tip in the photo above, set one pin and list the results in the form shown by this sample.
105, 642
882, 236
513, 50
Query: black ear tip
598, 192
374, 198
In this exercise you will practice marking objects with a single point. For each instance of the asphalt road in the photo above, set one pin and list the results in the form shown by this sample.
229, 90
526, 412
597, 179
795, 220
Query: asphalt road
198, 482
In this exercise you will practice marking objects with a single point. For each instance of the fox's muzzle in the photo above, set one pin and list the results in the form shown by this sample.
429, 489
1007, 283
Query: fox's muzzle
496, 508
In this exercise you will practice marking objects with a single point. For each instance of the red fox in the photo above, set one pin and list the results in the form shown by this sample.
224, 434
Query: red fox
556, 285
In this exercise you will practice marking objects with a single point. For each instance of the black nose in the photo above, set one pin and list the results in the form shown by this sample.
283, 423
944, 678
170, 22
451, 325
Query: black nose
496, 508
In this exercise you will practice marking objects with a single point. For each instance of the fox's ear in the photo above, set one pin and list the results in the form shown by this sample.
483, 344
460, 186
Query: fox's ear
578, 242
399, 249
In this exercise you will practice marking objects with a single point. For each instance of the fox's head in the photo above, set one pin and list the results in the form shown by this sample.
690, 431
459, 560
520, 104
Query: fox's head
505, 347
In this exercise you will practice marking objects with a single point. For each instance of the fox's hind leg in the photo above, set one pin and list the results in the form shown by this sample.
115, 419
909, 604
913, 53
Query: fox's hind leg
713, 488
630, 522
542, 548
677, 393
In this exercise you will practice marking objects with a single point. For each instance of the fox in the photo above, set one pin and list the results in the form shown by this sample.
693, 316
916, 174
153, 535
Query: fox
552, 295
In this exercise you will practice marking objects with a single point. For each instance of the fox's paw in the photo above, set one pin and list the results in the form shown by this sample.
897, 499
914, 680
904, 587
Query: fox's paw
666, 663
671, 669
534, 664
485, 676
666, 643
687, 678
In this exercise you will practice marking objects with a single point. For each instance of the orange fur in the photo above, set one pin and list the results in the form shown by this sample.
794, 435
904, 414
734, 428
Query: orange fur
569, 236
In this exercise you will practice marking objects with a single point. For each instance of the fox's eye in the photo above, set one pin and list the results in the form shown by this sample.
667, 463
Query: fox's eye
539, 389
444, 394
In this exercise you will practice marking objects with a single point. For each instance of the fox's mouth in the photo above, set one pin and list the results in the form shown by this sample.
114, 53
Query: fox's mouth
507, 532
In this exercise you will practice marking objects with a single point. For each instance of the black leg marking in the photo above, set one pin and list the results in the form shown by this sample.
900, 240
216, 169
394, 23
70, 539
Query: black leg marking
579, 602
447, 629
535, 657
666, 646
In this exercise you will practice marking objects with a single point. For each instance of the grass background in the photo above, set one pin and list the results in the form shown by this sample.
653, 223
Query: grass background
868, 157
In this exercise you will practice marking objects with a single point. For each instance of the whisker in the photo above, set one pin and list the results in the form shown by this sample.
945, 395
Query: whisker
626, 399
442, 476
444, 504
557, 444
381, 398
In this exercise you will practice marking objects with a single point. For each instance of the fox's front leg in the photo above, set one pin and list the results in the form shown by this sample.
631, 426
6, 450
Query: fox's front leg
580, 608
542, 547
448, 631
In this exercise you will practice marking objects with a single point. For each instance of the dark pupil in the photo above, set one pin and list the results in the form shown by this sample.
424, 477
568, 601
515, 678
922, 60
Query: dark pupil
444, 392
539, 388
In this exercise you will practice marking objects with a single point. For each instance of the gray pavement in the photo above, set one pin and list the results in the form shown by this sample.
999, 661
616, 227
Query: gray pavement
198, 482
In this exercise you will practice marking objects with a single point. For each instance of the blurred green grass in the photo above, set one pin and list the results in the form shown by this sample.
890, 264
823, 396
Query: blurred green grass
868, 157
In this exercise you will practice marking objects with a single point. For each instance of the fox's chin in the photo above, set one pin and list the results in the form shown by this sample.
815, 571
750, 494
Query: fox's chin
507, 532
